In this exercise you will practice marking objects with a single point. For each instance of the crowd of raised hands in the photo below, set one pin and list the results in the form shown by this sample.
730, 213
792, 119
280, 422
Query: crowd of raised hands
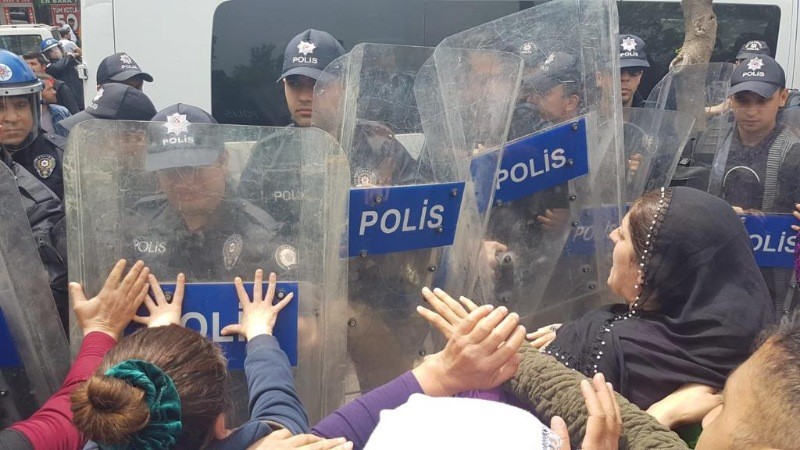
481, 352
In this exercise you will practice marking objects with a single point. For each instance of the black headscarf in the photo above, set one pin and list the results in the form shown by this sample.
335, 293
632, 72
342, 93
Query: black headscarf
703, 302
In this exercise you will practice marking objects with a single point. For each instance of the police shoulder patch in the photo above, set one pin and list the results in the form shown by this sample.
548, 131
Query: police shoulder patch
44, 164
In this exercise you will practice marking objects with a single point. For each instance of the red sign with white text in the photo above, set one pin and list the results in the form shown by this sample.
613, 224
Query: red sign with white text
61, 14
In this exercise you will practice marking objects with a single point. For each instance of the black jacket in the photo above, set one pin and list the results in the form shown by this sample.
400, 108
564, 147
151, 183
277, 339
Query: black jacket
65, 70
65, 97
44, 159
48, 224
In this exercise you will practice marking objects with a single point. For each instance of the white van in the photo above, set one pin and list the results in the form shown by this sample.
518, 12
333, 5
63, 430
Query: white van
21, 39
224, 56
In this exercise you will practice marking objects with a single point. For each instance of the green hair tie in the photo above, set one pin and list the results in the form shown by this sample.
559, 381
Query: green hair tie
163, 401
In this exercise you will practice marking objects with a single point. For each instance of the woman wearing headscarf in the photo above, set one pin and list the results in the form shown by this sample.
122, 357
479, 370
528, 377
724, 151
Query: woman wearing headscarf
694, 300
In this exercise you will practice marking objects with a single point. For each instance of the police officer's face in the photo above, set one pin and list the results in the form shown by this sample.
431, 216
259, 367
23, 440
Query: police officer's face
629, 79
135, 82
755, 114
554, 105
194, 190
54, 54
16, 119
299, 90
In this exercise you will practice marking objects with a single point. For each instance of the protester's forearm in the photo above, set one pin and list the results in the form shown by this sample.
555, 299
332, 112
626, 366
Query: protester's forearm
551, 389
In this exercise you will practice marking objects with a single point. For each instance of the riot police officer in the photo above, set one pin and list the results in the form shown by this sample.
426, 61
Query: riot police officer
197, 225
63, 66
25, 150
22, 137
632, 63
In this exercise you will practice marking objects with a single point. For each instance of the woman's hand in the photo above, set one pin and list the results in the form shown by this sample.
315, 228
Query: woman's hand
163, 312
687, 405
283, 440
258, 316
481, 354
113, 308
604, 425
542, 337
449, 313
796, 215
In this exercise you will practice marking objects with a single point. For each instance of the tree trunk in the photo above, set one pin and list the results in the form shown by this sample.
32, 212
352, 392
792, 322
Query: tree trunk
701, 33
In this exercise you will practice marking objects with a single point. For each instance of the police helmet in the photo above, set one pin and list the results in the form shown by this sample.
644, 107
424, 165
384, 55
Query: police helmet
48, 44
17, 79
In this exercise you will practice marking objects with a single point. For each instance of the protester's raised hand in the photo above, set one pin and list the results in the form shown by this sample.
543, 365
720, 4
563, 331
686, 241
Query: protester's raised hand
163, 312
447, 313
796, 215
259, 315
542, 337
112, 309
604, 424
481, 354
283, 440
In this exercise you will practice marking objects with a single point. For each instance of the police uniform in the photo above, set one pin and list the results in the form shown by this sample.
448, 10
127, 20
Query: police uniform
48, 224
44, 159
240, 239
763, 176
66, 70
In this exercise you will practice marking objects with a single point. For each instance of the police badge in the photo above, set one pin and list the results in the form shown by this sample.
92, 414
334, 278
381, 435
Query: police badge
45, 164
286, 257
232, 250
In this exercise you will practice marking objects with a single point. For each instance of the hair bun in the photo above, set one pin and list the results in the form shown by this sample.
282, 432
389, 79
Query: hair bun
108, 410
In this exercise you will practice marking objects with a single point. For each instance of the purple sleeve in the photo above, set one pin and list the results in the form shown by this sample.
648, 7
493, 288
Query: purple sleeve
356, 420
797, 257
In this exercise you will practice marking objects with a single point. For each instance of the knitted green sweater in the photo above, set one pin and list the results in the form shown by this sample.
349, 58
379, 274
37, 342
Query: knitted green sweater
552, 389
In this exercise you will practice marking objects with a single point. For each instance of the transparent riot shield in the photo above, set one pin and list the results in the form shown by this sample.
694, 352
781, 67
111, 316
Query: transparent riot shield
410, 120
35, 355
760, 181
171, 194
559, 185
700, 91
653, 142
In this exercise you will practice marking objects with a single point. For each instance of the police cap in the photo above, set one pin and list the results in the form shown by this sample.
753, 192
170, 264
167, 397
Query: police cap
760, 74
752, 48
119, 67
114, 101
632, 52
309, 53
185, 136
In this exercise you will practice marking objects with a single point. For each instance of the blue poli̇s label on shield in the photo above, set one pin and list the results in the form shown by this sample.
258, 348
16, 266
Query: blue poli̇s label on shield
9, 357
403, 218
543, 160
210, 307
773, 238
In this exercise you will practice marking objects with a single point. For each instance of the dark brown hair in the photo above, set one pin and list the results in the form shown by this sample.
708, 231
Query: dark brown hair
777, 389
640, 219
108, 410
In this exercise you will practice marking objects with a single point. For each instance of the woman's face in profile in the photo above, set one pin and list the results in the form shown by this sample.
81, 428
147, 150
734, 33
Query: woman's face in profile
624, 271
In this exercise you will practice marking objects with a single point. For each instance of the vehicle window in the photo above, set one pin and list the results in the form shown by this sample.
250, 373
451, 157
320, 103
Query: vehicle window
249, 37
21, 43
660, 25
